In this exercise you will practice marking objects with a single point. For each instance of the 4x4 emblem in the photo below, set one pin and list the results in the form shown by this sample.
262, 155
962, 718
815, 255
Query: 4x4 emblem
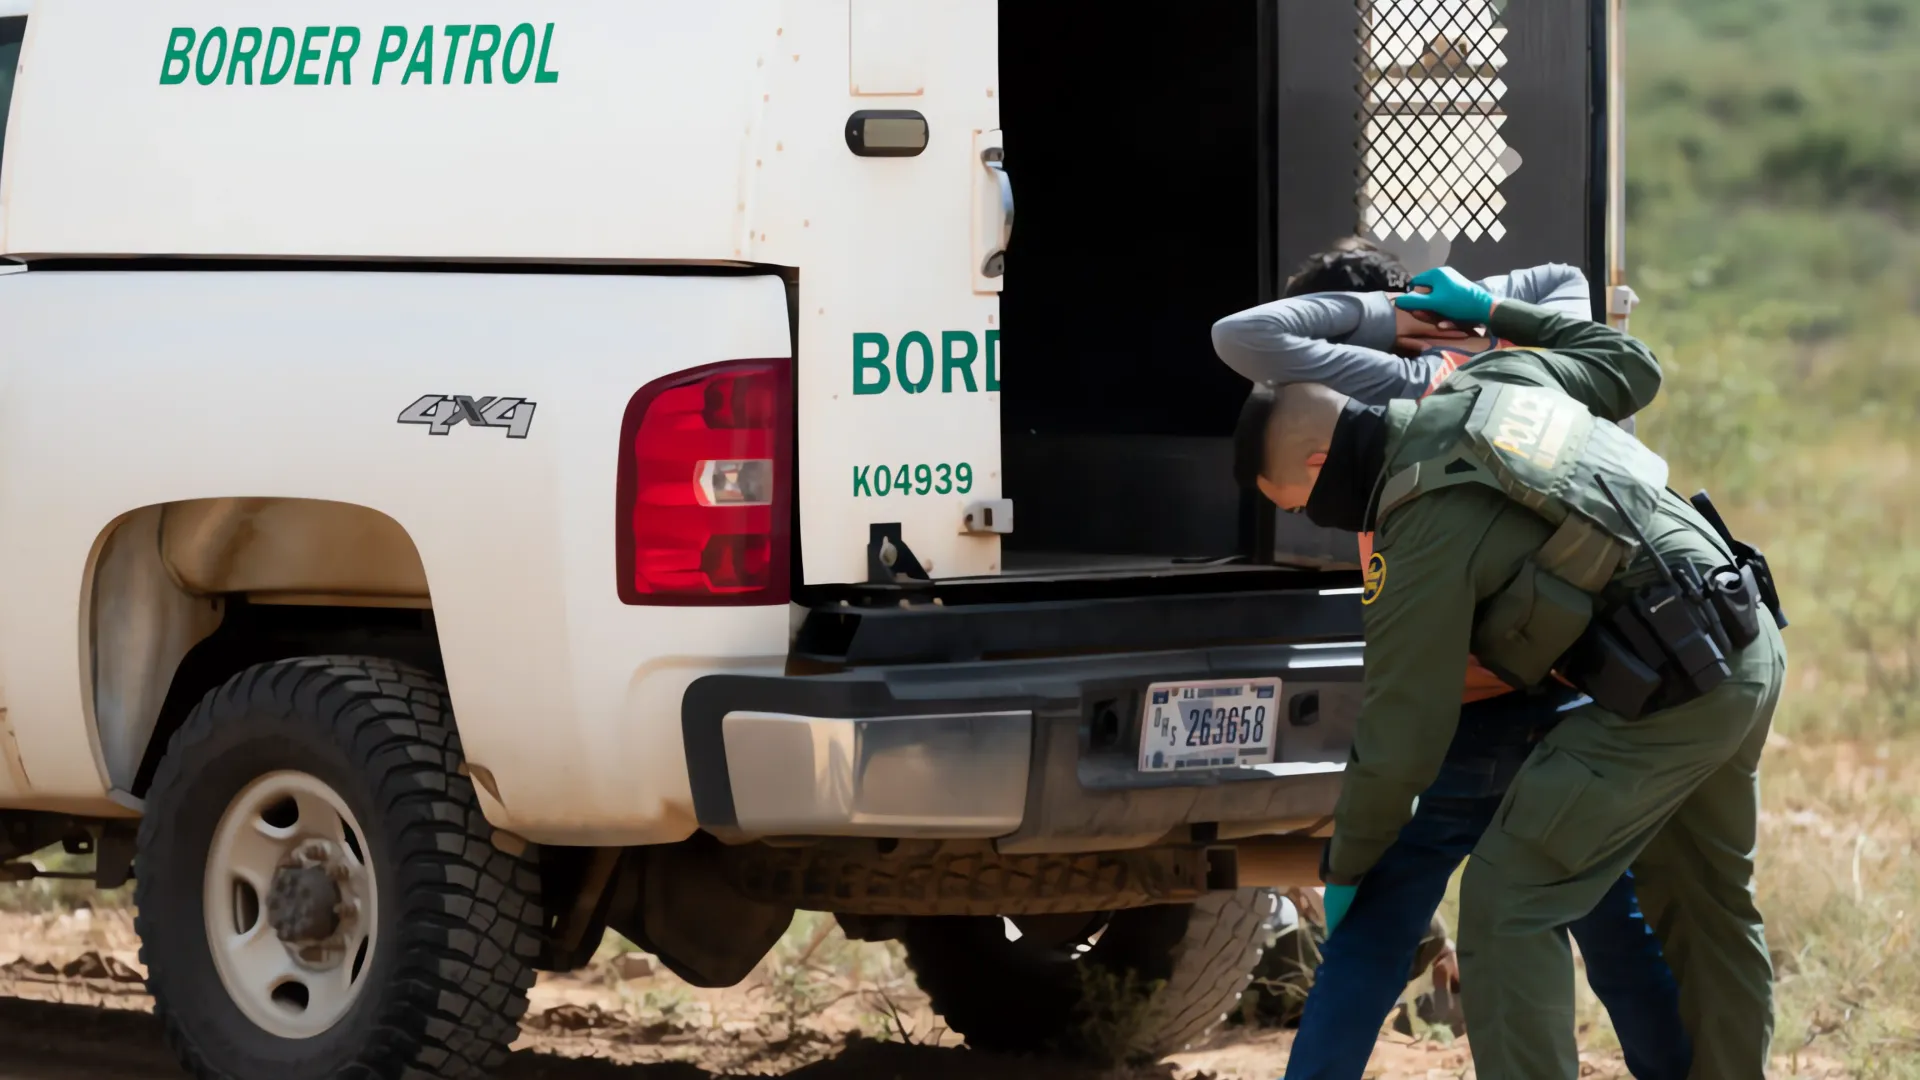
439, 412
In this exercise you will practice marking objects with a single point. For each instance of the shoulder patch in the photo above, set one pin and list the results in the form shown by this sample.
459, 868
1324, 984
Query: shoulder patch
1376, 578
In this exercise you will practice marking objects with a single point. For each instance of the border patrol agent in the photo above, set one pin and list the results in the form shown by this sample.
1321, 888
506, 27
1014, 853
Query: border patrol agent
1512, 522
1322, 333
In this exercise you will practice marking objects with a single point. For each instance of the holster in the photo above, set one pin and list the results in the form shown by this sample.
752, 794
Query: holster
1747, 560
1665, 644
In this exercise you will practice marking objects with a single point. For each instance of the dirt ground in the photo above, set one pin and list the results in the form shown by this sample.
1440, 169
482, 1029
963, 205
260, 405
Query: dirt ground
72, 1005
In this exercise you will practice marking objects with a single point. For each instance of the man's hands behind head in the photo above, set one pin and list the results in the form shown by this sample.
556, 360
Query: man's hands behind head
1414, 332
1449, 295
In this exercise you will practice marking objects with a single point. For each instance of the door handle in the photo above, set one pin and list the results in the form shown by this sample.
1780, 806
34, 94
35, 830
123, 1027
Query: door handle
994, 158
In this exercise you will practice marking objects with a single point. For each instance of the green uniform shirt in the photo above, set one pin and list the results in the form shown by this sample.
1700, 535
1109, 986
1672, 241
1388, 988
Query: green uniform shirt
1447, 551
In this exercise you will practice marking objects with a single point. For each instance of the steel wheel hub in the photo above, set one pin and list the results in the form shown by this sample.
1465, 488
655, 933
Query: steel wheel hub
291, 905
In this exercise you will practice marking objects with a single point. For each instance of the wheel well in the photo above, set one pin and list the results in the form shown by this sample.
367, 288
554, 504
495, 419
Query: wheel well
183, 595
252, 634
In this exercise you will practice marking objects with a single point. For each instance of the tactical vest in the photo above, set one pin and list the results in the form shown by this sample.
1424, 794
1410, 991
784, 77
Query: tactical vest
1542, 449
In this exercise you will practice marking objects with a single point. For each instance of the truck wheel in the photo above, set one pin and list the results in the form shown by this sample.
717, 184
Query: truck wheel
1056, 987
318, 892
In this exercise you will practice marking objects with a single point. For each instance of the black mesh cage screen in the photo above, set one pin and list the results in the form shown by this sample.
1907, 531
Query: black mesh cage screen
1468, 133
1432, 158
1464, 132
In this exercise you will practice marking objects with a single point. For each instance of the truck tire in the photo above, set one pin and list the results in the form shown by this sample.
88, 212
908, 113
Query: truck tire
1031, 996
318, 892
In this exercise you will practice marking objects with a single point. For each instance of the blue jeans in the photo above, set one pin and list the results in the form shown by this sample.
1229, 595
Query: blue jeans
1364, 966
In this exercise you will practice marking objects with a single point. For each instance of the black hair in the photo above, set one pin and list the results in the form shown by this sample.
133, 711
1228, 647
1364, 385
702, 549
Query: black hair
1354, 264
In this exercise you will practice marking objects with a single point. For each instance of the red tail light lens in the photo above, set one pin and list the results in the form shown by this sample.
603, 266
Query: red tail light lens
706, 482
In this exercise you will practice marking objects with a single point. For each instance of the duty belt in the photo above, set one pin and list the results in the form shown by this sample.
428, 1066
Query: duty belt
1664, 644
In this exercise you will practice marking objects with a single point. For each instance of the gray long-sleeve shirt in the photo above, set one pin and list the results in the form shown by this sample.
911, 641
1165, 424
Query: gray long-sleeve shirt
1342, 340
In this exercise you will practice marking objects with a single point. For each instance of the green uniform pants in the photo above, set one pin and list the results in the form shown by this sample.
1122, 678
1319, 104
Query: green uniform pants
1675, 795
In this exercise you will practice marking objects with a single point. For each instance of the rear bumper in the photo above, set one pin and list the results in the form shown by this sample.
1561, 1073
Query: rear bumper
958, 774
1038, 755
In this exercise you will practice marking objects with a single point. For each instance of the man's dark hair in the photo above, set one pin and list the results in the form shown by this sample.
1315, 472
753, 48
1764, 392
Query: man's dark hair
1354, 264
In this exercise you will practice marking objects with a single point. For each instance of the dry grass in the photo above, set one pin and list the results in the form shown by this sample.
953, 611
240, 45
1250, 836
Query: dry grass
1840, 889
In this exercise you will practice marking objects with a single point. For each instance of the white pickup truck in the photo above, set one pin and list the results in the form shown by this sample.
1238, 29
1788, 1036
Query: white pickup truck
469, 485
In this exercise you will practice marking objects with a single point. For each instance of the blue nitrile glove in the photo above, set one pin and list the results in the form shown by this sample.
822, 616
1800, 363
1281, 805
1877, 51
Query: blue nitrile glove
1337, 899
1453, 297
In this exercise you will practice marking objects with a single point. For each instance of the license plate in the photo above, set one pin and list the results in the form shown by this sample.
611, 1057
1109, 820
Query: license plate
1209, 725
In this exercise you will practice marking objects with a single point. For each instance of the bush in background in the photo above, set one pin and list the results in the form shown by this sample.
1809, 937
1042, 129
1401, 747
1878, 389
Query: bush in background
1774, 237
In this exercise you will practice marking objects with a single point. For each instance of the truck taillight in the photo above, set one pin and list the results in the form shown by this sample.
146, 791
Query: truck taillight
706, 482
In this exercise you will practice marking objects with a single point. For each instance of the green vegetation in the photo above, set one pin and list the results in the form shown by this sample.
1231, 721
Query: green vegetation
1774, 238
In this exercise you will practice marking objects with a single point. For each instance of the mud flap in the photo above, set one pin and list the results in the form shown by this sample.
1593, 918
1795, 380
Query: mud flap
675, 903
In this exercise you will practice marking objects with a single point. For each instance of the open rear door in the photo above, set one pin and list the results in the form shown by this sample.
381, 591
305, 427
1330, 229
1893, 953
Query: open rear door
1477, 131
1470, 133
1155, 199
898, 302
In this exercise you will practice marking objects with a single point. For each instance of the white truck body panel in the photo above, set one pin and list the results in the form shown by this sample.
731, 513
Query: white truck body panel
668, 132
584, 221
292, 384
